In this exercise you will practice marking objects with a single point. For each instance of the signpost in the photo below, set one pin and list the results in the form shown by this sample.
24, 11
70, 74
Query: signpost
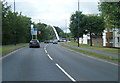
39, 32
33, 32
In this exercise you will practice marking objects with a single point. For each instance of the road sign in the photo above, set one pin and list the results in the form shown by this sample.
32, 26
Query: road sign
31, 26
39, 32
34, 31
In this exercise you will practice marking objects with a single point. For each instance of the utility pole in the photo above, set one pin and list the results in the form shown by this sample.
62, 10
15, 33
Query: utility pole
78, 24
39, 20
66, 28
14, 24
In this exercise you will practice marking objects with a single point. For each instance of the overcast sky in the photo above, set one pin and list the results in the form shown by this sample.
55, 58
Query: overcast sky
54, 12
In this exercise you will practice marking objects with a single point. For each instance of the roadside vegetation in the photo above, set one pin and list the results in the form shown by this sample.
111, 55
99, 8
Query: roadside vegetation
100, 48
90, 53
8, 49
0, 51
95, 24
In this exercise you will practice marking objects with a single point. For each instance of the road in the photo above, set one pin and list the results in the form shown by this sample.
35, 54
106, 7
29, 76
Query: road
53, 62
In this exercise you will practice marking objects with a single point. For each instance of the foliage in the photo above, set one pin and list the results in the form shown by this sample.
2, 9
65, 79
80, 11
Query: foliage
94, 24
59, 31
74, 24
110, 11
46, 31
99, 48
8, 49
15, 26
89, 24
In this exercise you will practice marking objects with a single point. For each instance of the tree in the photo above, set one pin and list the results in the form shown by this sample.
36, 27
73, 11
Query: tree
110, 11
59, 31
42, 27
0, 22
74, 24
15, 27
47, 32
94, 25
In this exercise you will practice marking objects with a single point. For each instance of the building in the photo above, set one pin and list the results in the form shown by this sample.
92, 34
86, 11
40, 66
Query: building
84, 40
96, 40
111, 38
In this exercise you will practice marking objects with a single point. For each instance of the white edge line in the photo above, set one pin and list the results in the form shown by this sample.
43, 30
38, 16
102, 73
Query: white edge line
93, 57
66, 73
50, 57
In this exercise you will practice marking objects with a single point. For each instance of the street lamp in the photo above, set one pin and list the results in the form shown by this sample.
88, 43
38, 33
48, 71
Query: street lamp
14, 24
66, 28
78, 23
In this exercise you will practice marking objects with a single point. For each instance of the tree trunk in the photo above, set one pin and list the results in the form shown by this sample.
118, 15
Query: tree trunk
82, 40
74, 39
90, 39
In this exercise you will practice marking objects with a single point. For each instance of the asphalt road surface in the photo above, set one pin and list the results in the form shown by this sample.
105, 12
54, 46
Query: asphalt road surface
53, 62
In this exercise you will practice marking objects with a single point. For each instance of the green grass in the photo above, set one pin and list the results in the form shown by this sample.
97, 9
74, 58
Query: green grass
90, 53
8, 49
100, 48
0, 51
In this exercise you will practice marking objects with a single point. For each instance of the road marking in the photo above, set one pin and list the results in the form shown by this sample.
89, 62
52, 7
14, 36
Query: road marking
44, 48
50, 57
93, 57
46, 51
65, 73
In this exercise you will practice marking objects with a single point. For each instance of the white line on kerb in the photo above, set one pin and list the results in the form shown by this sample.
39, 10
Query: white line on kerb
65, 73
50, 57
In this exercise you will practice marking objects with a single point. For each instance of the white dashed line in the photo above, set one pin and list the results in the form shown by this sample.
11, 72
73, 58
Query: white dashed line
46, 51
65, 73
50, 57
44, 48
59, 66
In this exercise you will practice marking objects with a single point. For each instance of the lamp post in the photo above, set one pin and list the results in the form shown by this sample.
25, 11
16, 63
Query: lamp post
14, 24
66, 28
114, 43
78, 24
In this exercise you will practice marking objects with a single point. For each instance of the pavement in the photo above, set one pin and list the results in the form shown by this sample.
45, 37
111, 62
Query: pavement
53, 62
113, 55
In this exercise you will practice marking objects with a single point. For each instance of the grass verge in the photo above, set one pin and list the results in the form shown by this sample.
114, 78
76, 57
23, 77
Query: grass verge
8, 49
90, 53
99, 48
